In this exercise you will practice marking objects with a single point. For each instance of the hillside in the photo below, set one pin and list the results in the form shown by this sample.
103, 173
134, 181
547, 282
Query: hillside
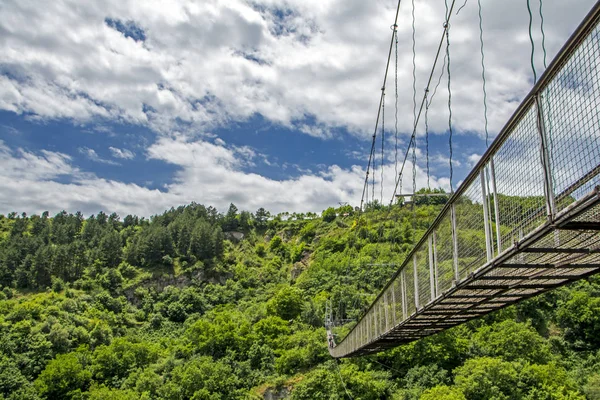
194, 304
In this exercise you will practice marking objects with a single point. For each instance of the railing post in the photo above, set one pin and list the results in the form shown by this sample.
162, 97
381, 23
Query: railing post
416, 281
496, 206
394, 302
431, 269
435, 264
404, 297
368, 322
387, 310
486, 217
546, 165
375, 321
454, 243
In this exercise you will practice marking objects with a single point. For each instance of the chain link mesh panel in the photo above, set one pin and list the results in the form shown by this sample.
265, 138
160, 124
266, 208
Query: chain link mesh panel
520, 181
571, 104
444, 250
424, 283
470, 229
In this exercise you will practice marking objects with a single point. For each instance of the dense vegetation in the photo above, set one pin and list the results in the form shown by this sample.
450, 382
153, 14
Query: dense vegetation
180, 307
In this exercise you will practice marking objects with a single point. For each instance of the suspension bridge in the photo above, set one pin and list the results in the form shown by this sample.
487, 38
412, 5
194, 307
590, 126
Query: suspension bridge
524, 221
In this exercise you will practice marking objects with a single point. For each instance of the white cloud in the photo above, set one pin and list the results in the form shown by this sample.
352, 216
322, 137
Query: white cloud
473, 159
92, 155
213, 62
208, 174
122, 153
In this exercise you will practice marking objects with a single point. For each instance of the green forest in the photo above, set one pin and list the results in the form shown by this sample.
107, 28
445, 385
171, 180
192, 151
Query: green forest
200, 304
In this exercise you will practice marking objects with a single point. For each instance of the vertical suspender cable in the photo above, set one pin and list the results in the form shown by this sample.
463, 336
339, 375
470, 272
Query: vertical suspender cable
532, 43
449, 91
396, 106
427, 138
414, 142
387, 66
428, 102
414, 74
543, 34
373, 175
485, 109
437, 55
382, 143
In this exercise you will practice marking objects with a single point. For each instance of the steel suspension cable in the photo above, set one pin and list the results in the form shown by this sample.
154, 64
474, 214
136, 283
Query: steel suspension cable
435, 61
414, 73
428, 101
543, 34
396, 105
532, 42
387, 66
427, 140
448, 12
342, 379
485, 108
373, 179
382, 143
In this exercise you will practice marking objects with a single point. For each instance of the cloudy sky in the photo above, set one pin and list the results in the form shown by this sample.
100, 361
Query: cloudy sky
136, 106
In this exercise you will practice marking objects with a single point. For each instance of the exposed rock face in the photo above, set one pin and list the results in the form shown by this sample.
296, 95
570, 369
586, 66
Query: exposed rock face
276, 394
160, 283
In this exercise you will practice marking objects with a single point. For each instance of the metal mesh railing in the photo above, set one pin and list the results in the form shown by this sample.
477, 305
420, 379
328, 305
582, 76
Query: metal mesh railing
470, 230
546, 158
571, 103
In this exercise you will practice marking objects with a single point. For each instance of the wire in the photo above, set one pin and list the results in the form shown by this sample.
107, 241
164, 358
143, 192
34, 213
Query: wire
342, 379
543, 34
396, 107
427, 142
386, 366
423, 101
485, 108
387, 66
382, 142
414, 64
532, 43
373, 177
461, 7
414, 73
448, 12
428, 101
439, 81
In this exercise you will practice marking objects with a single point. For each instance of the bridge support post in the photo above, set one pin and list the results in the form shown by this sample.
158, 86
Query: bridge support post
416, 282
496, 206
394, 302
435, 263
545, 156
386, 304
403, 288
431, 268
486, 217
454, 243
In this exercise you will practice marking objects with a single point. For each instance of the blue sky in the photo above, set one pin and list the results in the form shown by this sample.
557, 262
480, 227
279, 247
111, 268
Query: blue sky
135, 108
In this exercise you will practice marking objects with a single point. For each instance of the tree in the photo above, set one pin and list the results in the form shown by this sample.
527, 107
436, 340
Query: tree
201, 378
261, 217
579, 315
287, 303
231, 222
63, 377
111, 249
329, 214
443, 392
487, 378
512, 341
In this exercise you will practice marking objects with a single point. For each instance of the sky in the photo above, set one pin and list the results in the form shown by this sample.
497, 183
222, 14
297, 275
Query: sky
136, 107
